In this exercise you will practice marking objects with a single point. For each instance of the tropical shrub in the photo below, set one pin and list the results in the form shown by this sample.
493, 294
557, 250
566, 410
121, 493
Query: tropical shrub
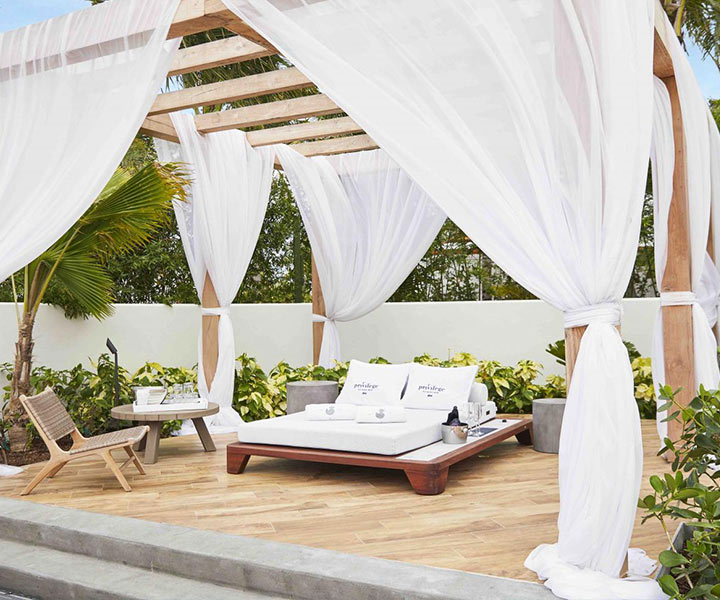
511, 388
691, 493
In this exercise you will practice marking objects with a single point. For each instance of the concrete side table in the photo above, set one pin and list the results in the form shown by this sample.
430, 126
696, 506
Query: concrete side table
302, 393
547, 422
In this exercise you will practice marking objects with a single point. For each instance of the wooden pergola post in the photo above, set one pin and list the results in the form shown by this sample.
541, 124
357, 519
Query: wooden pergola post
677, 320
209, 331
318, 308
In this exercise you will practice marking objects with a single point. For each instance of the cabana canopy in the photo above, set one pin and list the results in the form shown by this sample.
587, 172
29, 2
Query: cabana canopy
340, 134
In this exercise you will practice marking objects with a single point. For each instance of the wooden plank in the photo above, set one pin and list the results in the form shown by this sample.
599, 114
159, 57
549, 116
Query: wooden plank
216, 54
160, 127
341, 145
677, 320
303, 131
241, 88
270, 112
195, 16
209, 331
318, 308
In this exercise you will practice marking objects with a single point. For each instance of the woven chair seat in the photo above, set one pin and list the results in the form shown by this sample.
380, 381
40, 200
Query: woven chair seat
104, 440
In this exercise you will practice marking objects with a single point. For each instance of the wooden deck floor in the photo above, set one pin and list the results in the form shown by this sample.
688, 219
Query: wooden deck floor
496, 509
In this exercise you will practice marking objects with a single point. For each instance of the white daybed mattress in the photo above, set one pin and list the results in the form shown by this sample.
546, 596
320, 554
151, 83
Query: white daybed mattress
421, 428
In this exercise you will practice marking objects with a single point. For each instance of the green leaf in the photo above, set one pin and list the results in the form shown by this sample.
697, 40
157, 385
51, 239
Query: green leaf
668, 585
670, 558
657, 484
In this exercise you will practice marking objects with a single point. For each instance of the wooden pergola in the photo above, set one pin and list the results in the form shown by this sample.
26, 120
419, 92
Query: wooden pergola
340, 134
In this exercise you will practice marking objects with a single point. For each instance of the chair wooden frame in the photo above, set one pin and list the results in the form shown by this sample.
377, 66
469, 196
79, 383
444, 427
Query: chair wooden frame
59, 457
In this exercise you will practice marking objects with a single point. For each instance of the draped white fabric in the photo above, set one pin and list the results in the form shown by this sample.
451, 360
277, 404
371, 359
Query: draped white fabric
700, 138
73, 91
220, 227
529, 124
368, 224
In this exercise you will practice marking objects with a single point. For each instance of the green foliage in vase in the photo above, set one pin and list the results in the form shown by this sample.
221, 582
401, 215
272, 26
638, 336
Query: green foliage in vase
690, 494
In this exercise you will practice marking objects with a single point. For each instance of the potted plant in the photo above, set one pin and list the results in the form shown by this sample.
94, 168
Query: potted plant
690, 494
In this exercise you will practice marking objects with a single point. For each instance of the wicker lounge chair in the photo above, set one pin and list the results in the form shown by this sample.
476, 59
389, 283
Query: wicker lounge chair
53, 422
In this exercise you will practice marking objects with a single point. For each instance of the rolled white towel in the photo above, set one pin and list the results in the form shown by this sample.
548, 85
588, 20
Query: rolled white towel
380, 414
478, 393
330, 412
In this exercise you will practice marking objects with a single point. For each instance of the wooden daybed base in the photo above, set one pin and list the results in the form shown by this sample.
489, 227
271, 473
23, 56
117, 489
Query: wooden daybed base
426, 477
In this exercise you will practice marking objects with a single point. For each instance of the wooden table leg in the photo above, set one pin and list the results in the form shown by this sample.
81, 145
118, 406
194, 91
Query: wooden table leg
140, 446
152, 443
428, 482
525, 438
204, 434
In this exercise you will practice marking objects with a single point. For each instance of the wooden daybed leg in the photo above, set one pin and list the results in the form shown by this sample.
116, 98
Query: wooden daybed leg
236, 462
525, 438
428, 482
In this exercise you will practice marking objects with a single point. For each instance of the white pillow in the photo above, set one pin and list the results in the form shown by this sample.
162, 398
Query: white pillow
373, 385
438, 388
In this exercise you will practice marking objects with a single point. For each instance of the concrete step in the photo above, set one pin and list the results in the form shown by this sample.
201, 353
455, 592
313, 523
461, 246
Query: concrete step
50, 574
242, 563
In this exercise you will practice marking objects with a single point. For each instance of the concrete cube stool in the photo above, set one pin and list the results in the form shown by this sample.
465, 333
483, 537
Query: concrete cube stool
302, 393
547, 422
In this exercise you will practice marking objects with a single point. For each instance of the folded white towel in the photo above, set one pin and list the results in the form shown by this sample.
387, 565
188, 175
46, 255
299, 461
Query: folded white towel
330, 412
380, 414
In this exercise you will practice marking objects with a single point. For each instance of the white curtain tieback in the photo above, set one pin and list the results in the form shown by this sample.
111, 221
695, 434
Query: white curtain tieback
320, 318
606, 312
215, 312
677, 298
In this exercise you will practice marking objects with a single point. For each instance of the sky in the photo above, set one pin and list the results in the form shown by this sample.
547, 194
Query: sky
16, 13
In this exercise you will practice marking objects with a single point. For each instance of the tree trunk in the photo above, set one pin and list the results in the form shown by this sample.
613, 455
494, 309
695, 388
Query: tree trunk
21, 382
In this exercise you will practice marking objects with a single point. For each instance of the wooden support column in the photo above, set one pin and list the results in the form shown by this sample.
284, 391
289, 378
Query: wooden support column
573, 335
318, 308
711, 252
210, 331
677, 320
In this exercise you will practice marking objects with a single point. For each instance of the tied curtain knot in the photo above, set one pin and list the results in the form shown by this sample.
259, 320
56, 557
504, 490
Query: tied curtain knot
677, 298
215, 312
606, 312
320, 319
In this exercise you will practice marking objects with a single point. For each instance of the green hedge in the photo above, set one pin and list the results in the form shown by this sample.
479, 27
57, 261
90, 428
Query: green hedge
89, 394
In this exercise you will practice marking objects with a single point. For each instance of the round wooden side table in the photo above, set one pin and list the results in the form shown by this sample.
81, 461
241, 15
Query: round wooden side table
154, 420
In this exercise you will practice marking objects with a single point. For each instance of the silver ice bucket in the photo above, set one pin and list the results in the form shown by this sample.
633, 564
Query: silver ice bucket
455, 434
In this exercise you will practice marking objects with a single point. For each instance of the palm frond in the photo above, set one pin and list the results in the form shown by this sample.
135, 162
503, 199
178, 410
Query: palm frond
83, 285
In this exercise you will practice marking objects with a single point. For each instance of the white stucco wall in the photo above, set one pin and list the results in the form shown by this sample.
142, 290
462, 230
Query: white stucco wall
502, 330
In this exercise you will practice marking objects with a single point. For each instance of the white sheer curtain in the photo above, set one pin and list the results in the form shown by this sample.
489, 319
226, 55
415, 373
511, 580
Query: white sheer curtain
220, 227
704, 277
529, 123
369, 225
73, 91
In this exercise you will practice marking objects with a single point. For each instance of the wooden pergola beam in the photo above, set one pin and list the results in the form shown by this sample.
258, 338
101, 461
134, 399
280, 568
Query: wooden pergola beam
232, 90
299, 132
196, 16
269, 112
216, 54
160, 126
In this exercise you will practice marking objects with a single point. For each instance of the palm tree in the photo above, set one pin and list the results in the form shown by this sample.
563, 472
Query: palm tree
700, 19
71, 272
